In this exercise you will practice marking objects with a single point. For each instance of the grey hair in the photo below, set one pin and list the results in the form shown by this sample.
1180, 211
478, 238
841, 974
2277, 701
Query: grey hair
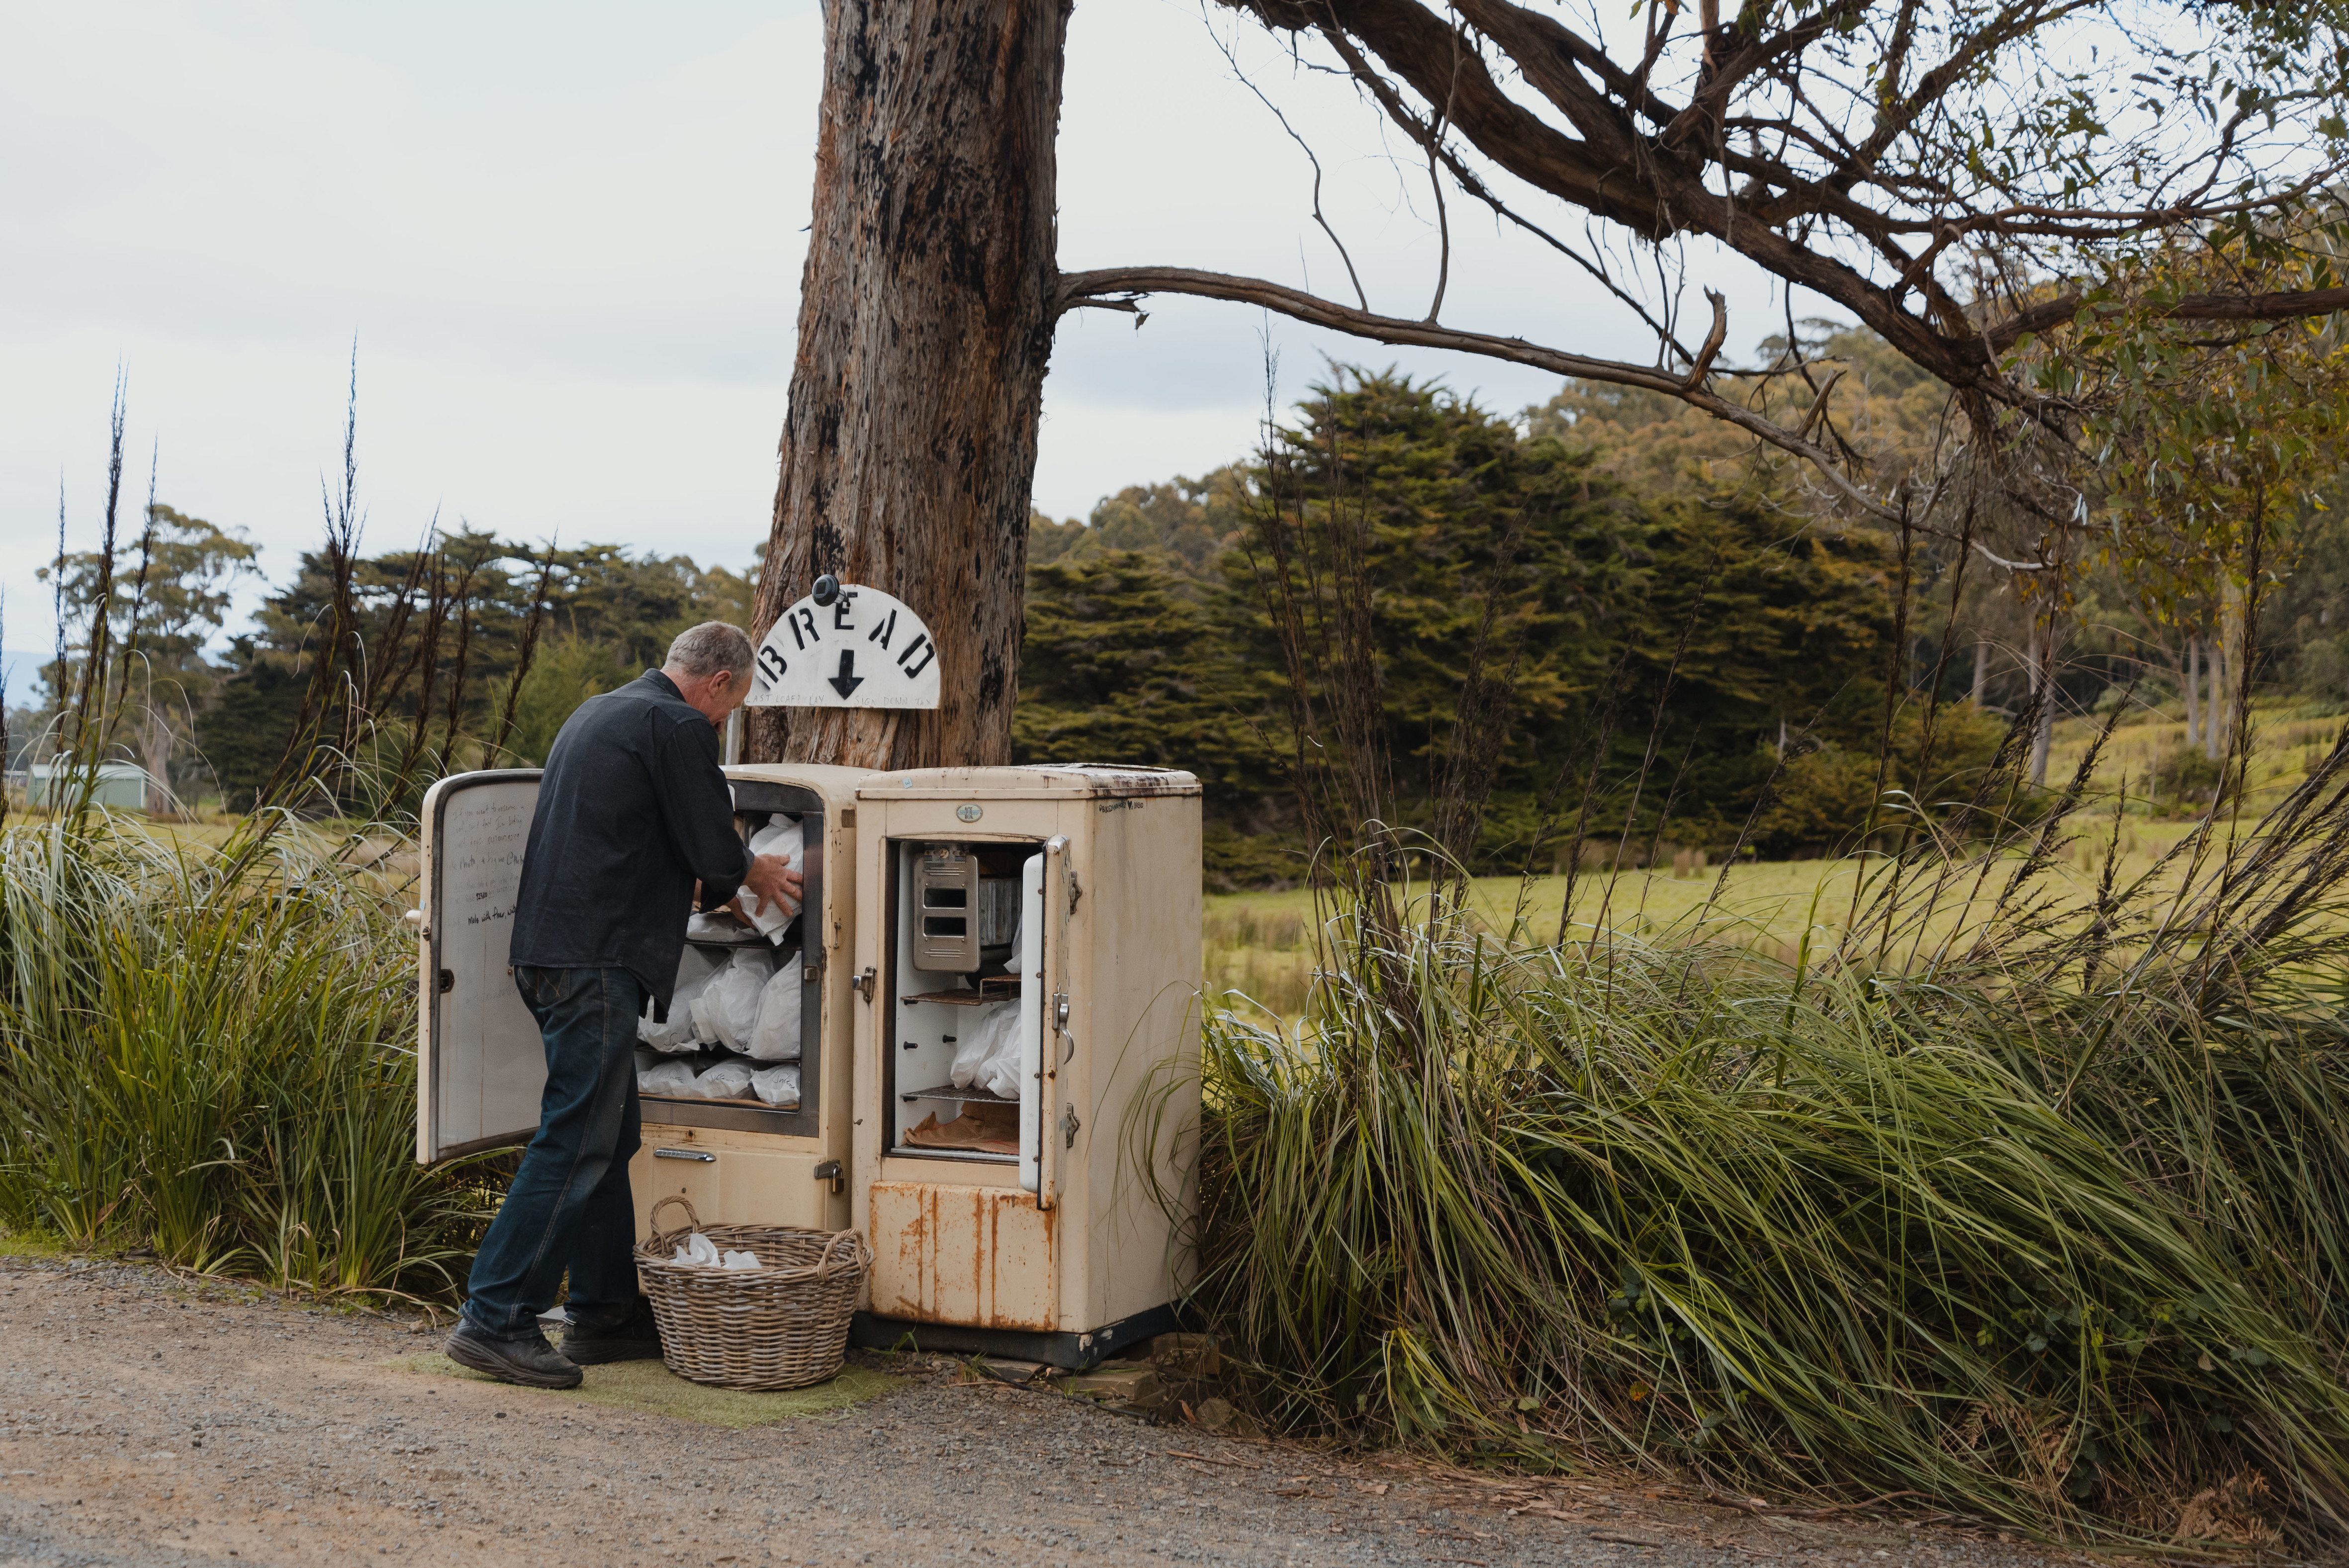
711, 647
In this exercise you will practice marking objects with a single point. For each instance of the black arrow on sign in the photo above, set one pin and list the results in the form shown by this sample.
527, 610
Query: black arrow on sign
847, 680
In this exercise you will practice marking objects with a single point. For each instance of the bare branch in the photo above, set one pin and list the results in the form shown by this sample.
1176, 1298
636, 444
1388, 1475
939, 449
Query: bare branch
1713, 342
1131, 282
1303, 146
2002, 335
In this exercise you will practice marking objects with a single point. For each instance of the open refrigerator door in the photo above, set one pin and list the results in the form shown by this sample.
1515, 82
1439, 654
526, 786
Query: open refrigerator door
1053, 1047
1031, 1023
481, 1066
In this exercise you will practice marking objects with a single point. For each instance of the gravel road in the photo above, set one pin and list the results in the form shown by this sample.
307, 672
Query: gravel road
147, 1421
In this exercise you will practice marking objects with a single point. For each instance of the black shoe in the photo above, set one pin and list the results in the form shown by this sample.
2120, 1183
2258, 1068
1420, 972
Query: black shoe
635, 1338
530, 1361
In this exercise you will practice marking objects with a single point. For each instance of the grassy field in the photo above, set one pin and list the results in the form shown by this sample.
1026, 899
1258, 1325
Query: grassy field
1260, 945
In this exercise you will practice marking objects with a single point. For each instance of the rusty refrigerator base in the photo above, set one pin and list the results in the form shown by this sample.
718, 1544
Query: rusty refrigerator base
1071, 1351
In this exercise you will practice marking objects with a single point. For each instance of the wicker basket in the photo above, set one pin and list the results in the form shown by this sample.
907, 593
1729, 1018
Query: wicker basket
784, 1325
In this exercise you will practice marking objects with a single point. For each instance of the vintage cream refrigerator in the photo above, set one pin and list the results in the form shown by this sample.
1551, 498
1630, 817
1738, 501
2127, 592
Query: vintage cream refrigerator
1049, 914
1027, 979
480, 1063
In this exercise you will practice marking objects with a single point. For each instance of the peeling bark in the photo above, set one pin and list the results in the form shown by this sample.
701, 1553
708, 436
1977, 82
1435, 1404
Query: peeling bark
925, 325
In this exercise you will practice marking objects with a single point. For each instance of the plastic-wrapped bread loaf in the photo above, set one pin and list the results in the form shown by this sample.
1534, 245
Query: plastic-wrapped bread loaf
726, 1013
780, 836
778, 1086
987, 1056
729, 1079
670, 1078
978, 1040
777, 1037
693, 972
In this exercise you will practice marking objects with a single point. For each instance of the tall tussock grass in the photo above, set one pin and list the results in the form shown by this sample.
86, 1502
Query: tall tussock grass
1846, 1236
2003, 1201
209, 1051
2046, 1222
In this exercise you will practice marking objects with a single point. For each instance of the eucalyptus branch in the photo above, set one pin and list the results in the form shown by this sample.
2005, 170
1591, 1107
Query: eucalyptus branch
1133, 283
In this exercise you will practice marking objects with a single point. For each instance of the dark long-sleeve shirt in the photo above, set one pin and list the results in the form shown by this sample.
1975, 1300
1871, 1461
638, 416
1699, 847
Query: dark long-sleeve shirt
632, 808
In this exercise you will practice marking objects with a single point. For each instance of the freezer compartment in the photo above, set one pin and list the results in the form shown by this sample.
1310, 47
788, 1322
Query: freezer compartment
958, 1008
964, 919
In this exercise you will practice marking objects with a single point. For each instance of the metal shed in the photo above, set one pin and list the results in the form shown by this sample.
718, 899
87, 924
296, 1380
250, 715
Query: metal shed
122, 786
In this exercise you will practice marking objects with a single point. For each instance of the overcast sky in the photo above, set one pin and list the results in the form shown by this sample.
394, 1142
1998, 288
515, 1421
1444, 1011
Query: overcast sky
567, 241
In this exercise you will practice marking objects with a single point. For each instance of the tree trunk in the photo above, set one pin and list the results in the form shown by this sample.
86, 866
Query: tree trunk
1981, 667
2042, 687
2215, 708
2191, 686
926, 325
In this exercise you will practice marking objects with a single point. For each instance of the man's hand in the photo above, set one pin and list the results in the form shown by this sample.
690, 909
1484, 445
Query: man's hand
771, 877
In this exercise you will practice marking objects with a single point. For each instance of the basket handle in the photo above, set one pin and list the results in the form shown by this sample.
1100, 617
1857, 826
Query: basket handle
692, 1218
827, 1264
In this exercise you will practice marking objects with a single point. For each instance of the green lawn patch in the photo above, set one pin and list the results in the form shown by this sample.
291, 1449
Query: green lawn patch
650, 1388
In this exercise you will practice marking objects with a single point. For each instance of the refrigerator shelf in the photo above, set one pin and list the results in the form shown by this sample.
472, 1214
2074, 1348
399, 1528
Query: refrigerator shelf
964, 1095
754, 1103
981, 998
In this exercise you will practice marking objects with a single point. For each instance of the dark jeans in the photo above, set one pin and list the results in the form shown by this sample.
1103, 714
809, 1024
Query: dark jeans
569, 1207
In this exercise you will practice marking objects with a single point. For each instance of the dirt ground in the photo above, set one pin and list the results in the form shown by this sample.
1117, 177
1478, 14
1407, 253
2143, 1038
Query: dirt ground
149, 1420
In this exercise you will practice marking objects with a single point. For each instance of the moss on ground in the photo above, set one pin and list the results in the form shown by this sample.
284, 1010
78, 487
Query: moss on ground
650, 1388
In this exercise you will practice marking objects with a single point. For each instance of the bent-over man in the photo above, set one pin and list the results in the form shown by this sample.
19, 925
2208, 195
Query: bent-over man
633, 811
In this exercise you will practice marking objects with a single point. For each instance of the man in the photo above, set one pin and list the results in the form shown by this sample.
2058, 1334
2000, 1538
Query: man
632, 812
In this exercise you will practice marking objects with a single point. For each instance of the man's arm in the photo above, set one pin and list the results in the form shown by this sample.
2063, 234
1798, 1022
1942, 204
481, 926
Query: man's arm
699, 811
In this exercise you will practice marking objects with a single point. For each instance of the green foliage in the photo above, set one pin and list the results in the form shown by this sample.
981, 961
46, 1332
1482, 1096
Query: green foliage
1887, 413
1754, 631
1823, 799
2187, 779
437, 642
567, 670
1119, 662
1134, 654
2306, 620
2061, 1253
1191, 523
1456, 511
208, 1051
165, 600
245, 729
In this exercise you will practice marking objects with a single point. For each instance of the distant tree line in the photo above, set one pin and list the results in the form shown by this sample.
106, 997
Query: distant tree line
1689, 649
1706, 628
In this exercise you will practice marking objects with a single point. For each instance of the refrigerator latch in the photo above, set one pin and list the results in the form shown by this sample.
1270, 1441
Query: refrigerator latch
864, 981
1069, 1126
830, 1171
